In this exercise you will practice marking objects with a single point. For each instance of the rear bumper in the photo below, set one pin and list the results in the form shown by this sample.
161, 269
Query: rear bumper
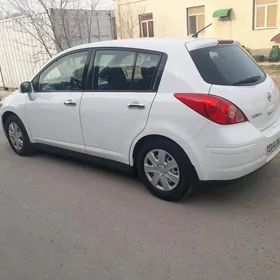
236, 167
231, 152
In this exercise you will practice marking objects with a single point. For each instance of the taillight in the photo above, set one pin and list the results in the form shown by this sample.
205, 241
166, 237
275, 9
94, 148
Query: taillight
214, 108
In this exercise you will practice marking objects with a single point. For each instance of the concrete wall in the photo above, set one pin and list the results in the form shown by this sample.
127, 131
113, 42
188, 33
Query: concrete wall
170, 19
75, 27
21, 54
127, 16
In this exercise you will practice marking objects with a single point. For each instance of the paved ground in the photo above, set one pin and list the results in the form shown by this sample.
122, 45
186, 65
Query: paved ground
65, 220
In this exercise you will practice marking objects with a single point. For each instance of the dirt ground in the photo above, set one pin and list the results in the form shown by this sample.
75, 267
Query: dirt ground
272, 69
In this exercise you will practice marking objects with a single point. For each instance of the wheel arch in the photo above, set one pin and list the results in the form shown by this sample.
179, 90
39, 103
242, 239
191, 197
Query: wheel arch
153, 137
9, 112
5, 117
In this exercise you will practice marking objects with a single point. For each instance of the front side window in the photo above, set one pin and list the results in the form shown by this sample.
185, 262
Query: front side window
121, 70
265, 14
195, 19
146, 25
65, 74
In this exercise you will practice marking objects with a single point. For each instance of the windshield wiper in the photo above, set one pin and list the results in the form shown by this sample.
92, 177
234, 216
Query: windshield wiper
249, 80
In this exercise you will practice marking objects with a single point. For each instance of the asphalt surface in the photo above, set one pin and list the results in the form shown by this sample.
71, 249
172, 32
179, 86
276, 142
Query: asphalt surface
62, 219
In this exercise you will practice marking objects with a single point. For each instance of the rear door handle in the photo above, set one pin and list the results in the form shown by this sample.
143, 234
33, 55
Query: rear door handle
136, 105
70, 102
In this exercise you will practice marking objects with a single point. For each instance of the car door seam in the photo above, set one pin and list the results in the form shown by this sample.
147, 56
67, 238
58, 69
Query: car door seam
148, 117
80, 119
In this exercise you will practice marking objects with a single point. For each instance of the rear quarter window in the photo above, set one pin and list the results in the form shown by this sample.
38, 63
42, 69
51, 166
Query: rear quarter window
226, 65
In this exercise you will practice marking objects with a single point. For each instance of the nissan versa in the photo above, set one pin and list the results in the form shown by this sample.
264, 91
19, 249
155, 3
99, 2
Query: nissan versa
177, 110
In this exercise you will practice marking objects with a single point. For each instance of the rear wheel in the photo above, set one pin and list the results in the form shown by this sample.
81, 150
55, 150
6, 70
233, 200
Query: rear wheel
18, 137
165, 170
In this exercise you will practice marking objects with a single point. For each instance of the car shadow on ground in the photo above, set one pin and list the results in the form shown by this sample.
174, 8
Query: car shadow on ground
255, 186
97, 164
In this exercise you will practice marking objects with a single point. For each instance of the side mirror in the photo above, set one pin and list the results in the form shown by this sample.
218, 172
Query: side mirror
25, 87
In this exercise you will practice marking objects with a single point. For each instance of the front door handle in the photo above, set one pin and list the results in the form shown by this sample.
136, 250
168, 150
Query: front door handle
70, 102
136, 105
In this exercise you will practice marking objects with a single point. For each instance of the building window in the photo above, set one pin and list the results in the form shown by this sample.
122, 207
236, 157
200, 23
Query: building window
195, 19
146, 25
265, 14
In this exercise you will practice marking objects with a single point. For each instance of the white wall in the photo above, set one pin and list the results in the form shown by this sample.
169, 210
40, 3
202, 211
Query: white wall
20, 54
170, 19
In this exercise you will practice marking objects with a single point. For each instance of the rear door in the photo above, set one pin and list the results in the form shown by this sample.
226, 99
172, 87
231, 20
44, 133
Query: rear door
235, 76
124, 83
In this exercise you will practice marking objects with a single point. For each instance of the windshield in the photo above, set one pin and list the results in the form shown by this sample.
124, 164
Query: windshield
227, 65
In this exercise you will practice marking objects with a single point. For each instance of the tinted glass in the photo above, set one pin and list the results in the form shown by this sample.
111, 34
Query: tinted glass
145, 71
151, 28
192, 24
113, 70
226, 65
144, 29
65, 74
146, 17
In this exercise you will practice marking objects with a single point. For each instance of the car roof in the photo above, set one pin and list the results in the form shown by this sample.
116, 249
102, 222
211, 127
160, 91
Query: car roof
155, 44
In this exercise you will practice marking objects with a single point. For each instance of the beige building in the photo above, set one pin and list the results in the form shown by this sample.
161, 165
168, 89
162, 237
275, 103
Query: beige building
252, 22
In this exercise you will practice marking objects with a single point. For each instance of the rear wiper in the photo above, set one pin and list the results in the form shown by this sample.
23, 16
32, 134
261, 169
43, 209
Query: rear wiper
247, 80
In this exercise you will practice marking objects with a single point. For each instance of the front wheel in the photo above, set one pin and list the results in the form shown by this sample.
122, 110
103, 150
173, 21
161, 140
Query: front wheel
18, 137
165, 170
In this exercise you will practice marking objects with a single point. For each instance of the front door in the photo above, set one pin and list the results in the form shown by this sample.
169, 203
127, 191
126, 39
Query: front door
53, 109
117, 109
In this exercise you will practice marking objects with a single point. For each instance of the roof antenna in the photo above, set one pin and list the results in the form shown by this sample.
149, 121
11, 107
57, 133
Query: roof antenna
195, 35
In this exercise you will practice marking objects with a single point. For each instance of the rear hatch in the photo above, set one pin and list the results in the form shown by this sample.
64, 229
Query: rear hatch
235, 76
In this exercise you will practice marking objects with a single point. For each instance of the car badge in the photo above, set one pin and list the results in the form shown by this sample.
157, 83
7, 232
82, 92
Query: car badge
268, 96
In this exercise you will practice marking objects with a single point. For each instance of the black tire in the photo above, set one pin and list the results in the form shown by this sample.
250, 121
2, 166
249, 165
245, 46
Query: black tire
27, 149
188, 178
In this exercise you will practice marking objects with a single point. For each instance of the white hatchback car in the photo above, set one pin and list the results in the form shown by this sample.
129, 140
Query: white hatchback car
177, 110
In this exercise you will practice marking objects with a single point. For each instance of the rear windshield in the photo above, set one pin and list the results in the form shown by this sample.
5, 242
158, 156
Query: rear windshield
227, 65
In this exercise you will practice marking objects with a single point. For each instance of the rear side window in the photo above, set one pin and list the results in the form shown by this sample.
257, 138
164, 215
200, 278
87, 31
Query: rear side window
122, 70
227, 65
113, 70
145, 71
